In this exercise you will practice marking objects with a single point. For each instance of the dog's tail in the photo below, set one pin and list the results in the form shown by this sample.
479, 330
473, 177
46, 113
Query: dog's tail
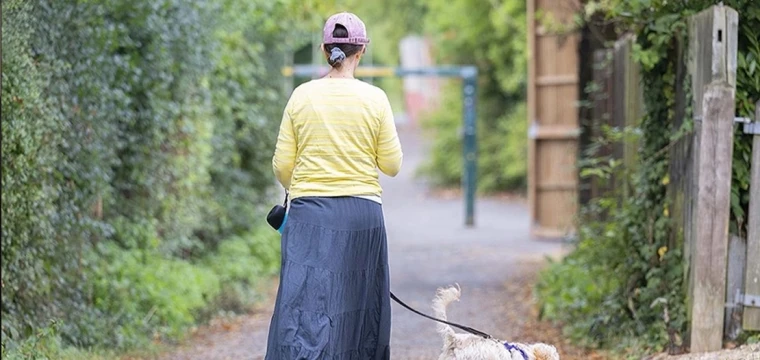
443, 299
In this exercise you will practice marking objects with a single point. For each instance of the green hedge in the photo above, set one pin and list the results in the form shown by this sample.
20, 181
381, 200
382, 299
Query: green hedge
135, 162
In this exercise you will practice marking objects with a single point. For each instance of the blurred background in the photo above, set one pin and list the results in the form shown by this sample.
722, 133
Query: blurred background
138, 135
137, 138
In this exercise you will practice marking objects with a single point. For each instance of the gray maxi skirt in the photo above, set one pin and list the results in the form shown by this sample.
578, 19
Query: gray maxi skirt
333, 301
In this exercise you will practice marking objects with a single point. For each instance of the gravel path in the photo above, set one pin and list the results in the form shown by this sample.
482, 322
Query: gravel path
746, 352
495, 264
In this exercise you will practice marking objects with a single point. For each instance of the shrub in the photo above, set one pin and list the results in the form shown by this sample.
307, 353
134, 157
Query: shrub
239, 276
150, 293
31, 132
136, 139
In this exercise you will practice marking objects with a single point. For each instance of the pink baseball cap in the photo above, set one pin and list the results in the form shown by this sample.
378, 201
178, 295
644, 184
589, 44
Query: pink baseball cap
357, 32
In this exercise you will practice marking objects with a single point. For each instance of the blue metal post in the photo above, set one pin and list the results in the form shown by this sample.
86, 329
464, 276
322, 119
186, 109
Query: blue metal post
469, 181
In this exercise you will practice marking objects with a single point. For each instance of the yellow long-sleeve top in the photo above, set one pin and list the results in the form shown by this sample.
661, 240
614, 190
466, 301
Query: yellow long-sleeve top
334, 136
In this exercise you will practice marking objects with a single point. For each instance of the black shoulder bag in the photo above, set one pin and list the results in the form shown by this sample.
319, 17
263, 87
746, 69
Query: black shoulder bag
278, 215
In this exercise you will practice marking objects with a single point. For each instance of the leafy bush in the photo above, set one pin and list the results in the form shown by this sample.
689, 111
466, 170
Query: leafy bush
33, 276
46, 344
137, 139
607, 296
247, 102
239, 276
150, 293
571, 293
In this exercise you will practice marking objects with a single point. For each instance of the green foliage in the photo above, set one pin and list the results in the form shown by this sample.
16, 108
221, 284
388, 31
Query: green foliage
508, 143
27, 211
163, 164
497, 46
46, 344
747, 95
247, 103
502, 163
43, 345
629, 240
137, 139
753, 338
661, 20
150, 293
239, 276
609, 296
163, 296
572, 292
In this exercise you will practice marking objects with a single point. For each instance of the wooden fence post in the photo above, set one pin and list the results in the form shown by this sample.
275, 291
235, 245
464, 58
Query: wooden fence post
705, 200
713, 207
737, 261
752, 279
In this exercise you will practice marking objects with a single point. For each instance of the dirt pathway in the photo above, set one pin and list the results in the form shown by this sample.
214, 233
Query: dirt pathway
495, 263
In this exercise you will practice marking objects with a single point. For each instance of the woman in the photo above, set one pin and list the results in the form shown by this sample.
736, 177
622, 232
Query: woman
333, 301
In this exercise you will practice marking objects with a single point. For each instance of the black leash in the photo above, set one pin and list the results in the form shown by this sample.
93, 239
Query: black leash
508, 346
461, 327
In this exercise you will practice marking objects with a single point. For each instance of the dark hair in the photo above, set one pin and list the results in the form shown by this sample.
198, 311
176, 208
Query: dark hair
348, 49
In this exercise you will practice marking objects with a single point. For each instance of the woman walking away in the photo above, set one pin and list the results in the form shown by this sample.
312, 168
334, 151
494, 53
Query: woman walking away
333, 301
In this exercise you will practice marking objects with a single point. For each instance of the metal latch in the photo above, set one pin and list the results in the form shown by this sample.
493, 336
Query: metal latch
746, 300
750, 127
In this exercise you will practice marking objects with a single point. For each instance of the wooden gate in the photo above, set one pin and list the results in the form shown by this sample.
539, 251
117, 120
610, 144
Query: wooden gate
553, 93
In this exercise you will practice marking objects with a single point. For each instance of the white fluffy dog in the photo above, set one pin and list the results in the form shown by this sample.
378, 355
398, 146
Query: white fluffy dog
473, 347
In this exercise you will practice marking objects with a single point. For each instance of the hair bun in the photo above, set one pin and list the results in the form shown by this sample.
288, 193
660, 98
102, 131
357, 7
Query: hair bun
337, 55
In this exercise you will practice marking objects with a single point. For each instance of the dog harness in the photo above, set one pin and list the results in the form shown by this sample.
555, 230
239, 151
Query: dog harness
511, 347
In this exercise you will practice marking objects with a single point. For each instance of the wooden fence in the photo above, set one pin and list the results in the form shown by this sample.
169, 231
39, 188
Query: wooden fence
617, 102
553, 120
721, 288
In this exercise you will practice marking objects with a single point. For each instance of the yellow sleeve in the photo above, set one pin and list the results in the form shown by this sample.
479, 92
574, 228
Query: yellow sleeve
389, 155
284, 159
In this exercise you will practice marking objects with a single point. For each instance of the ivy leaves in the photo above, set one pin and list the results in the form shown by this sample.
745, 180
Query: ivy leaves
747, 94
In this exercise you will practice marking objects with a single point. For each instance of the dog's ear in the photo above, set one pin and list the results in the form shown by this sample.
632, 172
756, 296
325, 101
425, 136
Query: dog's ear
544, 352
